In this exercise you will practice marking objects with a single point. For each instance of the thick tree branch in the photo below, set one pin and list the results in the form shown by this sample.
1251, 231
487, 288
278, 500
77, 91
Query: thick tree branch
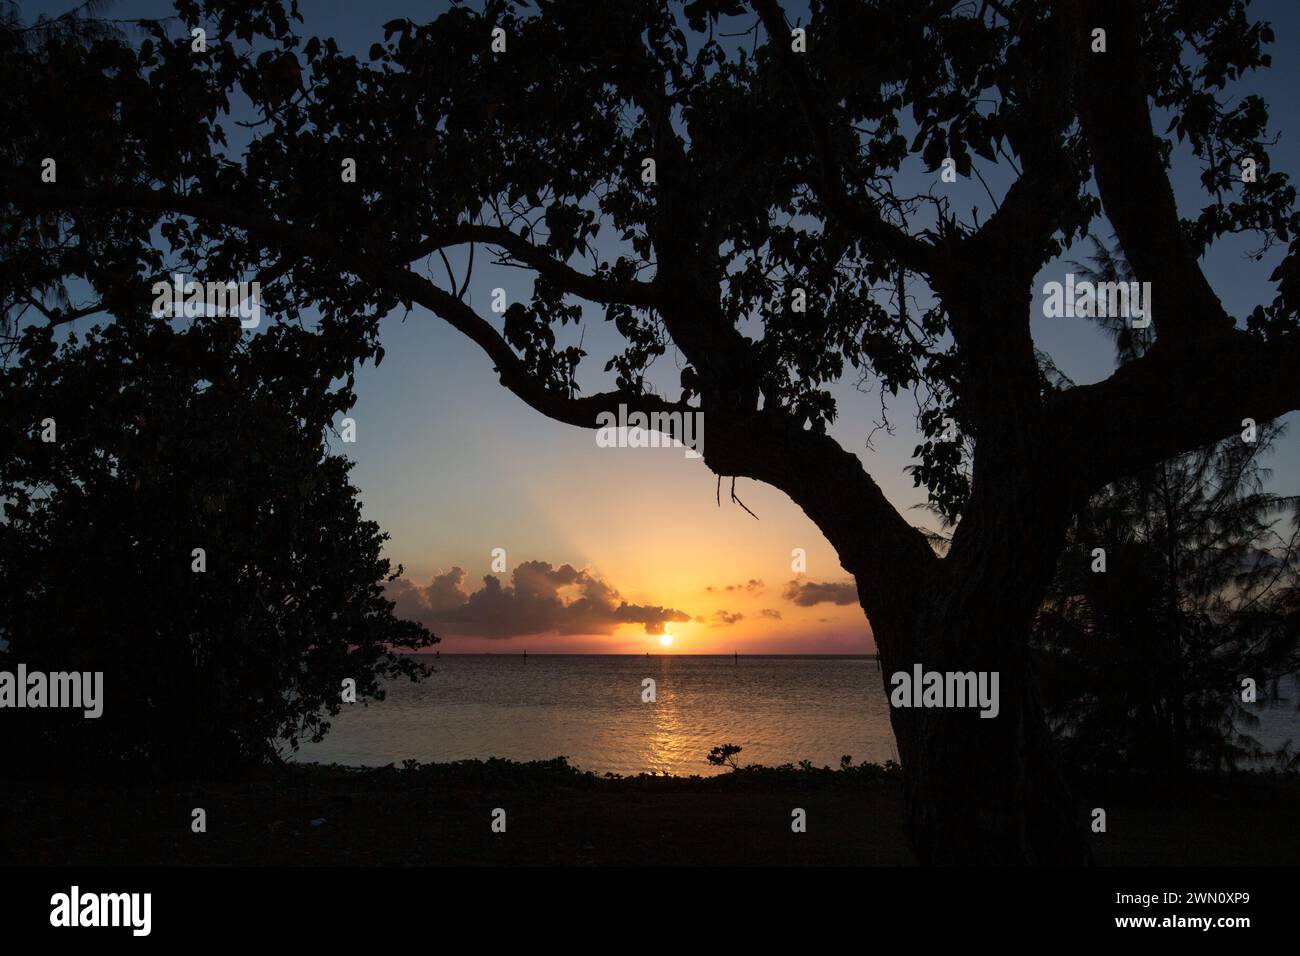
399, 280
1173, 400
1135, 189
514, 373
1203, 377
889, 558
1018, 234
887, 554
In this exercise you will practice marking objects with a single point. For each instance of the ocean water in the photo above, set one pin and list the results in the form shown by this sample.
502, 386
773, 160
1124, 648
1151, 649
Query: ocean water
589, 709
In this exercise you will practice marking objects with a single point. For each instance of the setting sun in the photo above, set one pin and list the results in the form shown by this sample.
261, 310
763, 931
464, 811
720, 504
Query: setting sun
666, 640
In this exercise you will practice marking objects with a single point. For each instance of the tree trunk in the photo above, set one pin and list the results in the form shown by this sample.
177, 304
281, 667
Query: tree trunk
979, 790
984, 790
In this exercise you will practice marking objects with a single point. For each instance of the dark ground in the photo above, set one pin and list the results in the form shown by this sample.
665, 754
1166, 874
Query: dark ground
441, 814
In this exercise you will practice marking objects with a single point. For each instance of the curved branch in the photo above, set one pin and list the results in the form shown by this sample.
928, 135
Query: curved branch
1173, 400
889, 558
1135, 189
399, 280
514, 373
590, 287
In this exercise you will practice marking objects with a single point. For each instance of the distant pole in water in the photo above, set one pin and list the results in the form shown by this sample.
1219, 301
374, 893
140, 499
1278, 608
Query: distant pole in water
737, 657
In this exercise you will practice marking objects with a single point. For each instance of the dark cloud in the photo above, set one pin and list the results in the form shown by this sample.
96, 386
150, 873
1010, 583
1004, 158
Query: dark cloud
752, 586
540, 598
808, 593
726, 618
770, 612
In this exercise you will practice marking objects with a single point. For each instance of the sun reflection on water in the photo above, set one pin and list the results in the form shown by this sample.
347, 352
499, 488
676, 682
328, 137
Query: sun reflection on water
665, 745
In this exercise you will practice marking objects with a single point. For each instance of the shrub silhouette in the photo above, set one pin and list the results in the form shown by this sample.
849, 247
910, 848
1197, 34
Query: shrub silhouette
168, 441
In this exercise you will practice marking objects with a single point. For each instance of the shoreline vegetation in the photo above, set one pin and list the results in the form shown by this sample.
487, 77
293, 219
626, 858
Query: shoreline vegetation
441, 814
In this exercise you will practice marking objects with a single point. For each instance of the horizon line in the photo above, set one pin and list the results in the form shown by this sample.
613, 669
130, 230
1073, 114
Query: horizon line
523, 653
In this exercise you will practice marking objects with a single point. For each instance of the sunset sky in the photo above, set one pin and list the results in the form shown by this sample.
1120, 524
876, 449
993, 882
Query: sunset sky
453, 466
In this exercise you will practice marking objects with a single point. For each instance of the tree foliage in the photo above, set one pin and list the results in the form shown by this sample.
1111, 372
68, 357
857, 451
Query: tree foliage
772, 175
169, 440
1144, 660
1145, 663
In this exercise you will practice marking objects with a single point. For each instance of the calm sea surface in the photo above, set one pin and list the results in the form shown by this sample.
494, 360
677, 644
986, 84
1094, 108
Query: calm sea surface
589, 709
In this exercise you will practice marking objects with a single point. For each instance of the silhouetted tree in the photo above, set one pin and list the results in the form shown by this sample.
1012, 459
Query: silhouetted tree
163, 442
1199, 592
1144, 660
725, 756
774, 167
